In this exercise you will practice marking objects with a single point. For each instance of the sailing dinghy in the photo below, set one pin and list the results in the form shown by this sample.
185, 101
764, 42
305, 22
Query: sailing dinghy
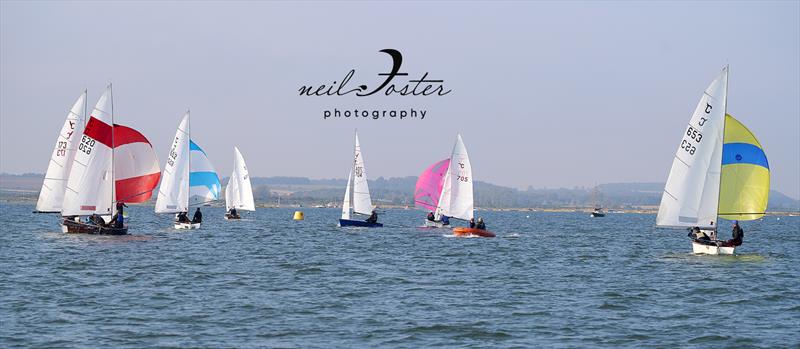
720, 170
189, 178
446, 189
361, 201
428, 193
456, 200
51, 195
239, 192
113, 164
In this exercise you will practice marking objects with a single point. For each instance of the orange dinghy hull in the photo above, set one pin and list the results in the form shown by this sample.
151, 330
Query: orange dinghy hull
464, 231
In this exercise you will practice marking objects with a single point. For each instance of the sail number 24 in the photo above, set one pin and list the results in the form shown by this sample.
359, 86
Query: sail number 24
694, 135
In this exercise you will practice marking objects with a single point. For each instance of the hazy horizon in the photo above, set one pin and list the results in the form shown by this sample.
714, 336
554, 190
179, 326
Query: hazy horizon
548, 95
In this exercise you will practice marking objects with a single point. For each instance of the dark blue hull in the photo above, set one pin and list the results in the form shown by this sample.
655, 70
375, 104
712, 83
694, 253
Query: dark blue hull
353, 223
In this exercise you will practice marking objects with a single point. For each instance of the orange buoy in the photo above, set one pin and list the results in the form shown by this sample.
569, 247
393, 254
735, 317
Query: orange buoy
464, 231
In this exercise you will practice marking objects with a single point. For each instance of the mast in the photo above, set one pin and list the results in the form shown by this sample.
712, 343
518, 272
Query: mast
722, 144
113, 182
352, 195
189, 154
85, 105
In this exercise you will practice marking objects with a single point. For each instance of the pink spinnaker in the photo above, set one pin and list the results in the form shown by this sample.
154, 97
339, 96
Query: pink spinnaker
430, 184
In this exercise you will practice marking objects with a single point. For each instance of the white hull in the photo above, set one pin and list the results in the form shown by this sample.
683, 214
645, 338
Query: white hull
186, 226
64, 229
711, 249
435, 224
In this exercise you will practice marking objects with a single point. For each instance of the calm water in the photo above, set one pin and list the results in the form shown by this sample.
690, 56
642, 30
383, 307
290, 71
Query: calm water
550, 279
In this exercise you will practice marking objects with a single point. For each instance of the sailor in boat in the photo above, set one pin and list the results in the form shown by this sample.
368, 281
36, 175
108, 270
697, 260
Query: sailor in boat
445, 220
480, 225
373, 218
431, 217
697, 234
737, 236
233, 212
118, 220
95, 219
472, 222
183, 217
198, 216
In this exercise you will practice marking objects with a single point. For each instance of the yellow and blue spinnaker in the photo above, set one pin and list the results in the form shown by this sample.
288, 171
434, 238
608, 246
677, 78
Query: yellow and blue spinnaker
744, 185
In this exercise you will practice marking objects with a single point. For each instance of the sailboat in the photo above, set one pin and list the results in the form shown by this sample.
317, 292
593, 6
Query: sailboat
428, 192
51, 195
239, 192
189, 178
720, 170
361, 201
113, 164
454, 191
598, 210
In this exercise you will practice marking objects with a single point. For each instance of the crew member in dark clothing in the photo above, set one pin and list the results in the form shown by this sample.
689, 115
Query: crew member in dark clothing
373, 218
472, 222
737, 235
183, 217
445, 220
480, 224
198, 216
431, 217
97, 220
119, 218
233, 212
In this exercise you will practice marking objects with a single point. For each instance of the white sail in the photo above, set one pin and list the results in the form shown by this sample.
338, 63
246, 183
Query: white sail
55, 180
444, 197
691, 194
90, 186
239, 192
361, 200
173, 194
346, 201
457, 200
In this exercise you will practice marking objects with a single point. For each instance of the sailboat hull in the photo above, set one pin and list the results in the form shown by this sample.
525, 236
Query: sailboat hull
187, 226
435, 224
711, 249
354, 223
598, 214
228, 216
72, 227
464, 232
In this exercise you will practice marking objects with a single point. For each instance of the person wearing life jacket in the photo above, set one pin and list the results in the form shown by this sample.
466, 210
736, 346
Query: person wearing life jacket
373, 218
183, 217
198, 216
697, 234
431, 217
480, 225
472, 222
233, 212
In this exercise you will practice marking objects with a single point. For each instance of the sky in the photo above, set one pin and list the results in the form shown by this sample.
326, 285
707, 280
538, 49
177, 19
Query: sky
544, 94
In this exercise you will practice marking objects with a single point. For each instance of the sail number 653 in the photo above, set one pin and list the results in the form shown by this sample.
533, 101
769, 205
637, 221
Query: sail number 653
694, 134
